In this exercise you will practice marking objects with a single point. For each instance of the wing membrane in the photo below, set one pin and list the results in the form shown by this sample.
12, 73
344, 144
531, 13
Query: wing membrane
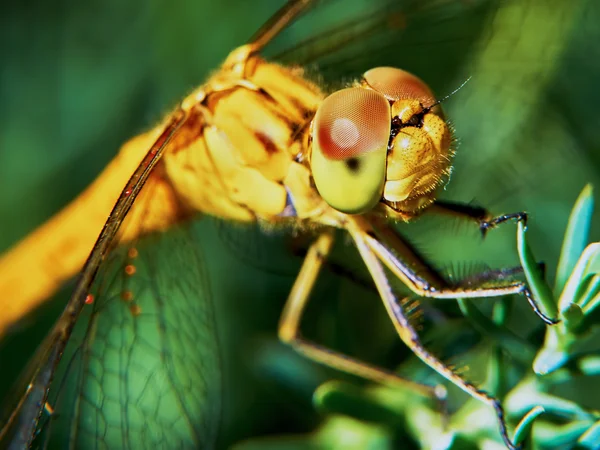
142, 368
41, 370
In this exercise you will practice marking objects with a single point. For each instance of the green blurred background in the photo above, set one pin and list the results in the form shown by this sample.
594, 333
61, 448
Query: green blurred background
78, 79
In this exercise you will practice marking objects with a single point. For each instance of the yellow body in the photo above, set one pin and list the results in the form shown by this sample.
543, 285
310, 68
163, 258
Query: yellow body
244, 147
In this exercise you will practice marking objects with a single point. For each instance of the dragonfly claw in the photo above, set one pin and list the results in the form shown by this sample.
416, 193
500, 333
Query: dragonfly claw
486, 225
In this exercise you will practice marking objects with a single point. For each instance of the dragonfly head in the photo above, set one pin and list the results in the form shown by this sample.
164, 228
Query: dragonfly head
384, 141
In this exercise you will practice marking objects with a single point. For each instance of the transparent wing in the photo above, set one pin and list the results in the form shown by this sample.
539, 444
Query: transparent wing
142, 368
169, 308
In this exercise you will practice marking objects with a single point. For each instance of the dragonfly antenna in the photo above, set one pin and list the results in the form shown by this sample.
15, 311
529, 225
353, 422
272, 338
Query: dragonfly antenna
449, 95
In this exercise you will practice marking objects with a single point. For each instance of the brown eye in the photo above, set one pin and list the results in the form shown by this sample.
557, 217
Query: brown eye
352, 122
396, 84
351, 131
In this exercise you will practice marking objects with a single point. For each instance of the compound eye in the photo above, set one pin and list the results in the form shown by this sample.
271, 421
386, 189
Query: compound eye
396, 84
351, 131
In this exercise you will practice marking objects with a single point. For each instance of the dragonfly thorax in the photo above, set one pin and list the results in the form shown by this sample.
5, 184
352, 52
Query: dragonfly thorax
241, 162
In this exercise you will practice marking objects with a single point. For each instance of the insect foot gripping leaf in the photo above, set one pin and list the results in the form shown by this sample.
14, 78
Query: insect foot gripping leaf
563, 385
576, 294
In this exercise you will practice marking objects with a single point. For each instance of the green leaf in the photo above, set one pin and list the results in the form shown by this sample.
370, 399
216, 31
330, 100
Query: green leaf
530, 393
345, 432
592, 305
588, 265
539, 288
576, 237
550, 359
553, 435
351, 400
572, 317
591, 291
591, 437
523, 430
589, 365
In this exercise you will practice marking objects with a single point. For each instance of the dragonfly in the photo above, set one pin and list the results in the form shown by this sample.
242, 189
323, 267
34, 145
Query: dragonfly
175, 132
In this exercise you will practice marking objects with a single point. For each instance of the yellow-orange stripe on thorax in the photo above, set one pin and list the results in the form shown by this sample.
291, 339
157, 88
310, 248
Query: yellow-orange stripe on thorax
234, 158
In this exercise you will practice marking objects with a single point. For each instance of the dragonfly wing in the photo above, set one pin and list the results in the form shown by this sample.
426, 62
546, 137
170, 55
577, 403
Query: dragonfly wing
144, 350
142, 368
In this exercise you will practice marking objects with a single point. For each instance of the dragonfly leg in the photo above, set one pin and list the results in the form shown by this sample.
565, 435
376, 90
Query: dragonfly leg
476, 213
411, 338
423, 281
289, 327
